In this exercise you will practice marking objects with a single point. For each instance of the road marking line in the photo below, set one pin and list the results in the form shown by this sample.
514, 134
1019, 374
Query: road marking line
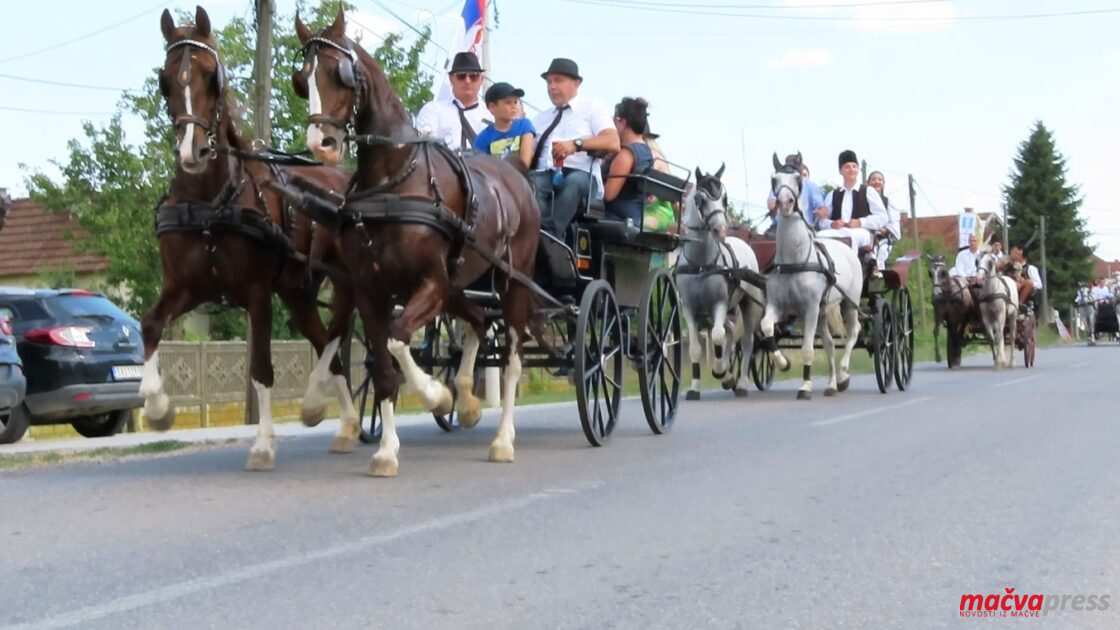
1018, 380
217, 581
1080, 365
869, 412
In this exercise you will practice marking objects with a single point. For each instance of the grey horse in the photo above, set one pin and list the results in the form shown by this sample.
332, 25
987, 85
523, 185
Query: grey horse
713, 300
952, 306
811, 277
999, 308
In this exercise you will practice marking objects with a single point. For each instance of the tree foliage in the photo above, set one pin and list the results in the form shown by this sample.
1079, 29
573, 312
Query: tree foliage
111, 186
1039, 188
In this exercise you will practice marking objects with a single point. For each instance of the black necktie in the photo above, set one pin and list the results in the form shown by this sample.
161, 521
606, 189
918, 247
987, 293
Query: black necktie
540, 141
466, 132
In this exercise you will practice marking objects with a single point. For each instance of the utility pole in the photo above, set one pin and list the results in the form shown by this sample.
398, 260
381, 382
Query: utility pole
1045, 281
262, 73
918, 241
262, 124
863, 171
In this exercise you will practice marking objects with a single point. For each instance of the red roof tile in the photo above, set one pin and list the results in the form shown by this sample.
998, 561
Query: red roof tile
34, 238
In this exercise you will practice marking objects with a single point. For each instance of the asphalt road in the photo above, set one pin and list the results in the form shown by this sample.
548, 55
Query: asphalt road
861, 511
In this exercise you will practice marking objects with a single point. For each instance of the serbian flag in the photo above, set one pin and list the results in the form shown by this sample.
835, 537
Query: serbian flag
468, 39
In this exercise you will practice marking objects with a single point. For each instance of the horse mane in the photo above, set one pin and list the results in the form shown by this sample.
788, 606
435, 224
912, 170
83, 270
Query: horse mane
378, 100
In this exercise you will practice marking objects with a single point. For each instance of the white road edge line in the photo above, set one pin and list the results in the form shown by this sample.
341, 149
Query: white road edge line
217, 581
1017, 380
869, 412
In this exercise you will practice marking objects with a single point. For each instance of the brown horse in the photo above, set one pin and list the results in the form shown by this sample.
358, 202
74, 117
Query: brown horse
225, 236
420, 225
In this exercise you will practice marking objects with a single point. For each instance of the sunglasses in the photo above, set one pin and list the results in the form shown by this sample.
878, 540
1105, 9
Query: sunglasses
463, 76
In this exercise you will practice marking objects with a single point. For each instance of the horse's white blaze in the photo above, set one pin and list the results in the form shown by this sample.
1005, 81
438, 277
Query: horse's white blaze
433, 395
186, 145
314, 108
384, 462
501, 449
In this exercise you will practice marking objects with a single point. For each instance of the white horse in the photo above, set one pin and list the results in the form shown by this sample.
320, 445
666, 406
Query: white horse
999, 308
1087, 310
811, 277
712, 301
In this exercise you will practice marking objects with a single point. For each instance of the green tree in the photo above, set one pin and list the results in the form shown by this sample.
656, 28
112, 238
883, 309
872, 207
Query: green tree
1039, 188
111, 186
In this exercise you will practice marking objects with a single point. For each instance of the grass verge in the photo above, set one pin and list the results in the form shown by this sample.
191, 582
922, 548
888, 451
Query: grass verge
27, 460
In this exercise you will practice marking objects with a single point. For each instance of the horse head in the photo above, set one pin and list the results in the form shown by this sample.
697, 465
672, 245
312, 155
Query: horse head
938, 272
332, 80
193, 84
707, 211
785, 183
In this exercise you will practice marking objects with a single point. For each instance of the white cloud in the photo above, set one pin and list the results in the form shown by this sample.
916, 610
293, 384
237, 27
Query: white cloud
801, 58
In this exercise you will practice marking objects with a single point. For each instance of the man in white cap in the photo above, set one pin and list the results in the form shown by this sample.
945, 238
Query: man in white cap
458, 121
852, 210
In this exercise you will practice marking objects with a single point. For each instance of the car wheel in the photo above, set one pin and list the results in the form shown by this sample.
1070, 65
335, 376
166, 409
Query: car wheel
13, 424
102, 424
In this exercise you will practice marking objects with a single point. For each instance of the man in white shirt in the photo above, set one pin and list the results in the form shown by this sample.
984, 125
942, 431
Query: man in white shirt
1100, 292
852, 210
444, 119
965, 266
568, 130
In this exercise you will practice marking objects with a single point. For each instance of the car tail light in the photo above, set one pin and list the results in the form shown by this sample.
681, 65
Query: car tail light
71, 336
5, 327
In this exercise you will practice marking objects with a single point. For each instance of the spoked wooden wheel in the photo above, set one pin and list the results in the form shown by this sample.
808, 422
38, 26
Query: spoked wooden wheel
659, 340
369, 416
762, 368
882, 338
598, 361
904, 338
443, 350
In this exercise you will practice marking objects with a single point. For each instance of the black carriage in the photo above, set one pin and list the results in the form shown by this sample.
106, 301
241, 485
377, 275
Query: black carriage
887, 335
1106, 321
972, 331
607, 296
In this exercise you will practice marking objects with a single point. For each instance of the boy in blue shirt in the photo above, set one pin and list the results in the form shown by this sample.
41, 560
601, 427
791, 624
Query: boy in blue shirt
509, 134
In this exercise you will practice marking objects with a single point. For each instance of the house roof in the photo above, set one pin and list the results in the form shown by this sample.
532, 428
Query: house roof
35, 238
1103, 268
944, 227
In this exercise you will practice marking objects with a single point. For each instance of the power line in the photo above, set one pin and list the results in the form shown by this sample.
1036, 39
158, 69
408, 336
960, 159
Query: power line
831, 18
408, 24
690, 5
83, 37
63, 84
28, 110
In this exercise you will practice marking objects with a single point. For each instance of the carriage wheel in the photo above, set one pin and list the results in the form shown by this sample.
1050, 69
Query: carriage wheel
369, 417
762, 368
1028, 324
904, 338
598, 361
659, 337
883, 350
441, 354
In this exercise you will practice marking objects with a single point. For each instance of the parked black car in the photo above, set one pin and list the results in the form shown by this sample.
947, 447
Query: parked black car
13, 385
82, 356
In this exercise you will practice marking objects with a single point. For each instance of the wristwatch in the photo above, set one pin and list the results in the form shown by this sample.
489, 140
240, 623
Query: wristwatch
579, 144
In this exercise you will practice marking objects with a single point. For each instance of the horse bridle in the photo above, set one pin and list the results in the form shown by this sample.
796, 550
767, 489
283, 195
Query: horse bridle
698, 199
349, 74
183, 76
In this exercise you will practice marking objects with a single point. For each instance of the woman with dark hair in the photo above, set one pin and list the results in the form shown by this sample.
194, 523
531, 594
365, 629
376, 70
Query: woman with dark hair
623, 195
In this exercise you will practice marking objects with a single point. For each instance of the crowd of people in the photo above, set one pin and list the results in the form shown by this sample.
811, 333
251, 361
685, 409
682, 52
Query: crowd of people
558, 147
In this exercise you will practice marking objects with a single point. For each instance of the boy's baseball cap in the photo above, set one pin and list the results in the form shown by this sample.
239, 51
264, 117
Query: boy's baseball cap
498, 91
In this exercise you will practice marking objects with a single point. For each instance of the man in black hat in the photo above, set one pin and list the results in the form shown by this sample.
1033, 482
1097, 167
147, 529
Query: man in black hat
852, 210
568, 130
458, 121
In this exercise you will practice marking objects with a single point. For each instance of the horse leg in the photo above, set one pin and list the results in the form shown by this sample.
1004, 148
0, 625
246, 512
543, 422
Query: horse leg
375, 321
829, 346
851, 329
812, 316
695, 352
995, 337
262, 455
172, 303
718, 333
937, 335
751, 315
1011, 319
769, 319
473, 317
425, 304
517, 309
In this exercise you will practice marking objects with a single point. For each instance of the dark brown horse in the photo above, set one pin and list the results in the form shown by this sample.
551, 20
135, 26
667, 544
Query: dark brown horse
224, 236
406, 239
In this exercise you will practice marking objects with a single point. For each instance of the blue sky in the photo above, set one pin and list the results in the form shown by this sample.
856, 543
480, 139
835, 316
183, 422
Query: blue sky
913, 87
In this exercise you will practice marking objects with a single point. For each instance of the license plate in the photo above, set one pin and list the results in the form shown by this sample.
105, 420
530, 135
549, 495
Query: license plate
128, 372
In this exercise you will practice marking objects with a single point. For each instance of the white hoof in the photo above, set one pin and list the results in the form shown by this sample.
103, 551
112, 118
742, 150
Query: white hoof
343, 444
312, 416
261, 460
501, 452
383, 465
470, 410
446, 401
830, 391
781, 361
159, 412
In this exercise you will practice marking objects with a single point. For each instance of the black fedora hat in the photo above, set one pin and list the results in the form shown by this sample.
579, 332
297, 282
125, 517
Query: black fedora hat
465, 62
563, 66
